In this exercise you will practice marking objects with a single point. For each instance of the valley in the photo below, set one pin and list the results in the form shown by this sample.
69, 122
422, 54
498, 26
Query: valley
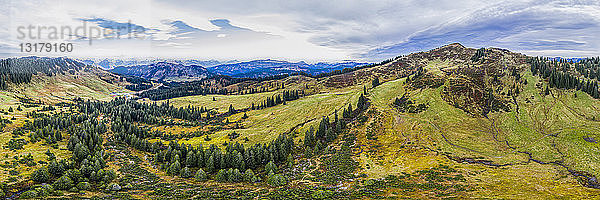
451, 122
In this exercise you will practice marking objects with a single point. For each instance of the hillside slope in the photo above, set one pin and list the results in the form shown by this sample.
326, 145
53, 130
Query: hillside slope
483, 108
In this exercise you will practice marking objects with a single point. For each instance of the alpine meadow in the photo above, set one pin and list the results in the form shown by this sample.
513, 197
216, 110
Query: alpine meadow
301, 100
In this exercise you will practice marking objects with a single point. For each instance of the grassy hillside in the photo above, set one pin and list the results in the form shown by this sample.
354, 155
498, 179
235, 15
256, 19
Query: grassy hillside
452, 122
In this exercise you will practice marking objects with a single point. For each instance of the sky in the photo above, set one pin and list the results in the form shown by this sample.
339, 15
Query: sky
295, 30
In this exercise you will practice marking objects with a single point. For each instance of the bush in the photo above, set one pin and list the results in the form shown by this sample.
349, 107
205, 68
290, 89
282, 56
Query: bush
109, 175
29, 194
74, 189
113, 187
276, 180
45, 190
16, 144
83, 186
63, 183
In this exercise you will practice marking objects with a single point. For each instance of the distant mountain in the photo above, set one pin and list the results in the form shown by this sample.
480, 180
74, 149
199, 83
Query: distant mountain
110, 63
262, 68
165, 71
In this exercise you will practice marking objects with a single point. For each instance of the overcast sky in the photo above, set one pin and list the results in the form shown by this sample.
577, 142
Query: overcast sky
310, 30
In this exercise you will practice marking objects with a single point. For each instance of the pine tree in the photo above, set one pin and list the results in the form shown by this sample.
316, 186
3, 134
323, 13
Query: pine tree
308, 139
185, 173
174, 168
200, 175
361, 102
210, 164
191, 159
231, 109
375, 83
249, 175
270, 167
55, 168
222, 176
236, 176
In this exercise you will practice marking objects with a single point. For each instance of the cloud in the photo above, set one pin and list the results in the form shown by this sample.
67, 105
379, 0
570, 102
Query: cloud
180, 27
318, 30
118, 29
539, 27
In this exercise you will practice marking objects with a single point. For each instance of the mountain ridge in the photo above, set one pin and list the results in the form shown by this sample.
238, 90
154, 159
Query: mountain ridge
165, 71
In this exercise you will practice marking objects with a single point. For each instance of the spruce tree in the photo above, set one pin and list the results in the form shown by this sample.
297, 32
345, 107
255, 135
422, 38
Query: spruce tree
200, 175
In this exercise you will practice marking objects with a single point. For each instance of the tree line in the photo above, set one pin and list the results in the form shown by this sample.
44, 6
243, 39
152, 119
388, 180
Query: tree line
149, 113
20, 70
559, 74
287, 95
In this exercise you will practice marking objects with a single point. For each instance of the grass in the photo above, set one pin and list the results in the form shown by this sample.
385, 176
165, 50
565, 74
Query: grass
64, 87
222, 101
264, 125
554, 128
37, 150
408, 142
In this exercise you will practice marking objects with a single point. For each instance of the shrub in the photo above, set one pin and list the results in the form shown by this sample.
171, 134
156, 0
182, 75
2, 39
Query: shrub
113, 187
29, 194
74, 189
276, 180
63, 183
109, 175
44, 190
83, 186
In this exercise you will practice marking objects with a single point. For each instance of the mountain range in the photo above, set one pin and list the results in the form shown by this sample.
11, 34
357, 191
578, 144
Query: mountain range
165, 71
186, 70
110, 63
